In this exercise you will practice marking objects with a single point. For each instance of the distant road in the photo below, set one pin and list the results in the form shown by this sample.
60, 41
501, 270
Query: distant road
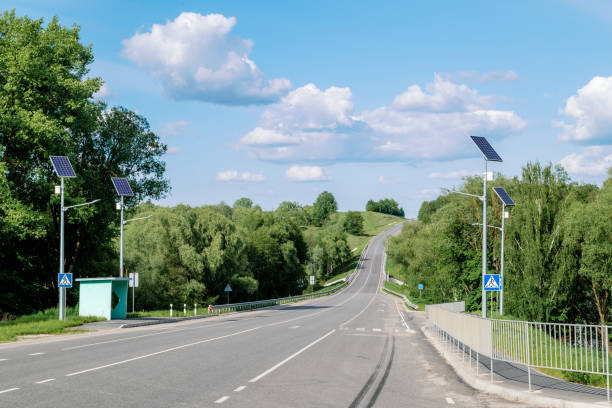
358, 348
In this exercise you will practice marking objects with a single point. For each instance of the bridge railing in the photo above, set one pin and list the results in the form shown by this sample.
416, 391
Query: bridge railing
580, 348
234, 307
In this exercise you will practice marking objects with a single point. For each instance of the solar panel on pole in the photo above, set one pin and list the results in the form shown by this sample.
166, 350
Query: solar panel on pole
122, 186
503, 195
486, 149
62, 166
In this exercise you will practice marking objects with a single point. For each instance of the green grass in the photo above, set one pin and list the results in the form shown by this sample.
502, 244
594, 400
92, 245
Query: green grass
404, 291
46, 322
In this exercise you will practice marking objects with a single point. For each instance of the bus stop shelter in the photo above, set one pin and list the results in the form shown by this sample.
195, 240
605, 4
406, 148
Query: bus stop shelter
103, 297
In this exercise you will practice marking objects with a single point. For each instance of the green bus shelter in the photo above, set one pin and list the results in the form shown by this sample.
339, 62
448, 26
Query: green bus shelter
103, 297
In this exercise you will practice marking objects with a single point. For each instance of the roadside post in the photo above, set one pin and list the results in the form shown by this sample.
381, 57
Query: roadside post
420, 289
492, 283
227, 290
133, 283
312, 282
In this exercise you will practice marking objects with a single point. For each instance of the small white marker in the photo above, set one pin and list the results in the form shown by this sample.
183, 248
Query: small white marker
449, 400
45, 381
222, 399
377, 330
36, 354
242, 387
9, 390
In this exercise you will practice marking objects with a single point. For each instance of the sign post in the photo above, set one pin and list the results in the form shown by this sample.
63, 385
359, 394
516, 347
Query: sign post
420, 289
312, 282
133, 283
228, 289
492, 283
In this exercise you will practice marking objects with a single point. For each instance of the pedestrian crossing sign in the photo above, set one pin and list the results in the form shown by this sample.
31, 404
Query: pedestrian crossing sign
64, 280
492, 282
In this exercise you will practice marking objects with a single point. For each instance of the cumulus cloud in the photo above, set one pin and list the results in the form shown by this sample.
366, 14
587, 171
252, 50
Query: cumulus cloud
173, 128
306, 173
103, 92
590, 110
492, 76
592, 161
234, 175
173, 149
310, 124
459, 174
195, 57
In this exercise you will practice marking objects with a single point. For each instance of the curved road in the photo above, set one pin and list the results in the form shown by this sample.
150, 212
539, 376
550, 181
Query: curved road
357, 348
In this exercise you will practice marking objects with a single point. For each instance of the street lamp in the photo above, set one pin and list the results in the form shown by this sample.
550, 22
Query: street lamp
123, 189
63, 169
506, 202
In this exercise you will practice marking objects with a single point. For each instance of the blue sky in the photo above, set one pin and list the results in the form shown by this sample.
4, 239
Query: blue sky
282, 100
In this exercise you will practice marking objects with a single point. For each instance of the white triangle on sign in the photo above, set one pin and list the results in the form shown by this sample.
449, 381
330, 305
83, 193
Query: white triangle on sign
492, 283
65, 281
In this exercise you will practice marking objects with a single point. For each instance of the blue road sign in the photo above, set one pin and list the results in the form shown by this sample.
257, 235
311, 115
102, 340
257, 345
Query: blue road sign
64, 280
492, 282
420, 286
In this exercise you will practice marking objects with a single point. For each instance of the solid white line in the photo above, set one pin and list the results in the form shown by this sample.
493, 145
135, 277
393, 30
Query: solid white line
222, 399
294, 327
449, 400
242, 387
9, 390
403, 320
162, 351
3, 359
45, 381
260, 376
36, 354
118, 340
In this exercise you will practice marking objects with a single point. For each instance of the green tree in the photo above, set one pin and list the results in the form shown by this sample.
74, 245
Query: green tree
353, 222
324, 207
243, 202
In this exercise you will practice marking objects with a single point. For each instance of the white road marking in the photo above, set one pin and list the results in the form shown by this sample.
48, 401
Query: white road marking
404, 320
360, 329
9, 390
36, 354
222, 399
122, 339
242, 387
449, 400
3, 359
377, 330
45, 381
297, 353
162, 351
294, 327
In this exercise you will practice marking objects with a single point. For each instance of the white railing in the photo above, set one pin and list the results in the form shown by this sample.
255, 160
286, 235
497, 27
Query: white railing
579, 348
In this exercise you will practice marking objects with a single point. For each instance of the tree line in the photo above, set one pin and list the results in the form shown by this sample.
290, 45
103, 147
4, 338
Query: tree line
558, 246
385, 206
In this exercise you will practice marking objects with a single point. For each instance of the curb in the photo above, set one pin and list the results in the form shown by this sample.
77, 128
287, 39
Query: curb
509, 394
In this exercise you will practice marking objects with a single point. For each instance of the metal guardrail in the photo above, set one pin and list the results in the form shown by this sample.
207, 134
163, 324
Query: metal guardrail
234, 307
408, 302
579, 348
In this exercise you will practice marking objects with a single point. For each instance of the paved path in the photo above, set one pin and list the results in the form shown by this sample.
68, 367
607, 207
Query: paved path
357, 348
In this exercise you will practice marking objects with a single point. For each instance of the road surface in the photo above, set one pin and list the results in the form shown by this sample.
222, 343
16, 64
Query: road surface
358, 348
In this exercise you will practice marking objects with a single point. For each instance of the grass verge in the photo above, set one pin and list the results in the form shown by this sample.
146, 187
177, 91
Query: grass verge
45, 322
404, 291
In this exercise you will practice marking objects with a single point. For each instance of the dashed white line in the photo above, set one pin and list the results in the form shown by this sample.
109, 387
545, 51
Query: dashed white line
9, 390
377, 330
36, 354
45, 381
222, 399
242, 387
360, 329
294, 327
297, 353
3, 359
449, 400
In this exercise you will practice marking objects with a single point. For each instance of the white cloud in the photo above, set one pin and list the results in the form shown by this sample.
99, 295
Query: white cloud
306, 173
459, 174
593, 161
591, 110
103, 92
234, 175
492, 76
316, 125
173, 149
383, 180
196, 58
173, 128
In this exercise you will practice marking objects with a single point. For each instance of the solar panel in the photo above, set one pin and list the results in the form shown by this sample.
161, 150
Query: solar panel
122, 186
62, 166
486, 149
503, 195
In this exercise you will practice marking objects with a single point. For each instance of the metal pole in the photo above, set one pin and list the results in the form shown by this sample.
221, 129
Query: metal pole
527, 345
133, 294
62, 293
121, 248
501, 295
484, 240
607, 365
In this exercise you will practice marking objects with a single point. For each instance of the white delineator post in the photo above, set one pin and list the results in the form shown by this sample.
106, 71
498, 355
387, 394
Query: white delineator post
170, 309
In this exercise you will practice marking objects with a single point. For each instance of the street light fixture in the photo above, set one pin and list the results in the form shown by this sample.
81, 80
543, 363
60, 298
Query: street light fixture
123, 189
506, 201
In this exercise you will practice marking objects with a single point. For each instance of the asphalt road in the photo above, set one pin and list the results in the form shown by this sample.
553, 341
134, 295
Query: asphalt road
358, 348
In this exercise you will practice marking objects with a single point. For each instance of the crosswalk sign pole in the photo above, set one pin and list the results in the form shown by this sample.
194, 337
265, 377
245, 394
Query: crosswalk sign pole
62, 291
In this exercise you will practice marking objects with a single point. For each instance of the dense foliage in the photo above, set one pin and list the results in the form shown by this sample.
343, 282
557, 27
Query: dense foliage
46, 108
385, 206
558, 247
353, 222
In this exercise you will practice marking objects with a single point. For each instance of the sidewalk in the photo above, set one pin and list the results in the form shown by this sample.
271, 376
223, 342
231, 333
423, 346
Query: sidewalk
510, 380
